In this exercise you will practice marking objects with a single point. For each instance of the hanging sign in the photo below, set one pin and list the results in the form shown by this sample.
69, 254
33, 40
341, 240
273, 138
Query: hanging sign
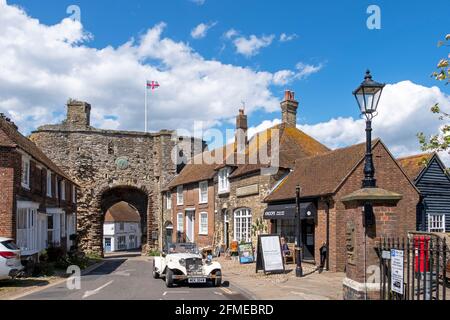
397, 271
269, 256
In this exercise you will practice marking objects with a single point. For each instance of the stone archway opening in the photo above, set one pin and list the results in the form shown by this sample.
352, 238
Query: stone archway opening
124, 218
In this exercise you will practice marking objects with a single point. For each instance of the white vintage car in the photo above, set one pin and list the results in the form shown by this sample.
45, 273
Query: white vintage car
182, 262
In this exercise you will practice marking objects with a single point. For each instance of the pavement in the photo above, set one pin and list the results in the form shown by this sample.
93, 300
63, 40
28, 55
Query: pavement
314, 285
128, 276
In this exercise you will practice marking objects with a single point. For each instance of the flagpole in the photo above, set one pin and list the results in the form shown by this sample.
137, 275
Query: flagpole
146, 92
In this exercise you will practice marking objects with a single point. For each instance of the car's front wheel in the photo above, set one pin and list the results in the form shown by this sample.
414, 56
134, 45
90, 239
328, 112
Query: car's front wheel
154, 273
169, 278
218, 279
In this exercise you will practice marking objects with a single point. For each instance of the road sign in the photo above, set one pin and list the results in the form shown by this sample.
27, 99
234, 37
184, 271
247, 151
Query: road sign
397, 271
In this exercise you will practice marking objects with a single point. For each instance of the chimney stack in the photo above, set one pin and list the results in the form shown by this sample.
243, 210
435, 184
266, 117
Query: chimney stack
78, 114
241, 138
289, 109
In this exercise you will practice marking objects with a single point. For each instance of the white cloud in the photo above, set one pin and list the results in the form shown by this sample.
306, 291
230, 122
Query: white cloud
201, 30
288, 37
252, 45
198, 2
305, 70
231, 33
42, 66
404, 111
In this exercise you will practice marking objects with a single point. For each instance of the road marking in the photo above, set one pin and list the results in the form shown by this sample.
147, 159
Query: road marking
124, 273
93, 292
227, 291
218, 293
175, 292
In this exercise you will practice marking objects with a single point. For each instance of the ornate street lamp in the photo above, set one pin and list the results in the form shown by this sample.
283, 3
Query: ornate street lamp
298, 233
368, 95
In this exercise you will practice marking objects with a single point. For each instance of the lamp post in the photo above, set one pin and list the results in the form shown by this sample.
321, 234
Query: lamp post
368, 95
298, 233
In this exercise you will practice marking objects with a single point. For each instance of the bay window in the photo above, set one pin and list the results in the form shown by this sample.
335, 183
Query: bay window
27, 237
243, 225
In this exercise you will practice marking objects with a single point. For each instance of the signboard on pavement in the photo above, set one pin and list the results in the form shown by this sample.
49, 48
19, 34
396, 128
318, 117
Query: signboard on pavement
246, 253
397, 271
269, 256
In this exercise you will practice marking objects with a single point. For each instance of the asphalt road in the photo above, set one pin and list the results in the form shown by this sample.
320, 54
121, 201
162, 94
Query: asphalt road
130, 278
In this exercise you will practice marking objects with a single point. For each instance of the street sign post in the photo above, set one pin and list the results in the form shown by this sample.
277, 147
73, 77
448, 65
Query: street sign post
397, 271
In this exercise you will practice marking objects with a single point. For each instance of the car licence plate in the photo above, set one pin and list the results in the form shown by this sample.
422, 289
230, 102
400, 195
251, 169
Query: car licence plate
197, 280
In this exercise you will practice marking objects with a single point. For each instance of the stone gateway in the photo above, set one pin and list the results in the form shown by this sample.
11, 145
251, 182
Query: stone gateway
112, 166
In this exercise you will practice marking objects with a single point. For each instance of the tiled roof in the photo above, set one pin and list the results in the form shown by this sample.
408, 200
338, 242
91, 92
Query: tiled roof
122, 212
322, 174
413, 165
11, 137
198, 168
293, 144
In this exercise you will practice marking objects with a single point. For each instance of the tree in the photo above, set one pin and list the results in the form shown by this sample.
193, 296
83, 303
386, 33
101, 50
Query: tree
441, 140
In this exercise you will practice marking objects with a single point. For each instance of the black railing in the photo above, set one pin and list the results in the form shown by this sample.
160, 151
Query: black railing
426, 268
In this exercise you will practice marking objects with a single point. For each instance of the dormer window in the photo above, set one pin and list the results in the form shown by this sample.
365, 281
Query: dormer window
26, 172
224, 181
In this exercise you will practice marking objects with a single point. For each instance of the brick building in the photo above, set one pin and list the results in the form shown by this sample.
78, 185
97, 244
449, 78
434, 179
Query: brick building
325, 181
242, 175
37, 199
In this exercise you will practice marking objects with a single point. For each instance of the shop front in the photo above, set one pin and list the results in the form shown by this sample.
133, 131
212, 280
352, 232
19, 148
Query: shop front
283, 223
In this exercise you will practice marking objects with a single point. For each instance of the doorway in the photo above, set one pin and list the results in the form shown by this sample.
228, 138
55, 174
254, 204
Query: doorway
308, 228
190, 217
108, 245
226, 228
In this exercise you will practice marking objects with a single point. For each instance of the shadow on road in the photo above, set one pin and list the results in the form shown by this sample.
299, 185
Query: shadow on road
111, 264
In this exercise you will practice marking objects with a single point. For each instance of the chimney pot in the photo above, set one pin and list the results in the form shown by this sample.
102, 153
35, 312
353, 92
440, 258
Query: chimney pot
289, 109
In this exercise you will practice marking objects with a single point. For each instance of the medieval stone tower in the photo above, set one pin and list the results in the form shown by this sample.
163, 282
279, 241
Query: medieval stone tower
113, 166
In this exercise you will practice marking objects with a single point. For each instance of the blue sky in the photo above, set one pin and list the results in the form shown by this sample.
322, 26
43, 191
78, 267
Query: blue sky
329, 34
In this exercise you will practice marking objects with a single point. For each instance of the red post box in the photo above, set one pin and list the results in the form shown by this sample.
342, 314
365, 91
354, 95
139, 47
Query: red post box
422, 254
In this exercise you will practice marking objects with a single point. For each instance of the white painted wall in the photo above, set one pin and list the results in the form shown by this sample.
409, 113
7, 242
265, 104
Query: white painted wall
113, 231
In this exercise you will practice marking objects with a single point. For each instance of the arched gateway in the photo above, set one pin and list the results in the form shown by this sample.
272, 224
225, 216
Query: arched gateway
110, 167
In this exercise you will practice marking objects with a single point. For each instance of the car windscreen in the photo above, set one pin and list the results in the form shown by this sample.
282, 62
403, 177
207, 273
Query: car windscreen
183, 248
9, 244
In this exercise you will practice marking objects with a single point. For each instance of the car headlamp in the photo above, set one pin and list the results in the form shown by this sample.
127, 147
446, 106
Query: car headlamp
182, 262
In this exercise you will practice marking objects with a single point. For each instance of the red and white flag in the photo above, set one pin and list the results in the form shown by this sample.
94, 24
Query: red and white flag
152, 85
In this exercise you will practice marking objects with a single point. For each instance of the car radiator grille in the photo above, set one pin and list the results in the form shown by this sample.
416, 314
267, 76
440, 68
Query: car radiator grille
194, 266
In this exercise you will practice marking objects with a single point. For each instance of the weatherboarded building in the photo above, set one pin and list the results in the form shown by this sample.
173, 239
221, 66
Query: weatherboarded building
430, 176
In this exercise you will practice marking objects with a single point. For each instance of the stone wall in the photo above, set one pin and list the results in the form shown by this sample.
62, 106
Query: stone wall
104, 160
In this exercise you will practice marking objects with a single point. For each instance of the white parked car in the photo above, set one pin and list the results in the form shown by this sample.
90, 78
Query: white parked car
183, 263
10, 264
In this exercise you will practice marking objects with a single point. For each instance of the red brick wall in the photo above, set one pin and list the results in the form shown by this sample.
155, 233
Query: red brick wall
10, 165
191, 201
389, 177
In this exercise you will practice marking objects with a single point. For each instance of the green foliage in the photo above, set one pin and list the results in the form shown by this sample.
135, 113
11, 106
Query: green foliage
153, 253
259, 227
441, 140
